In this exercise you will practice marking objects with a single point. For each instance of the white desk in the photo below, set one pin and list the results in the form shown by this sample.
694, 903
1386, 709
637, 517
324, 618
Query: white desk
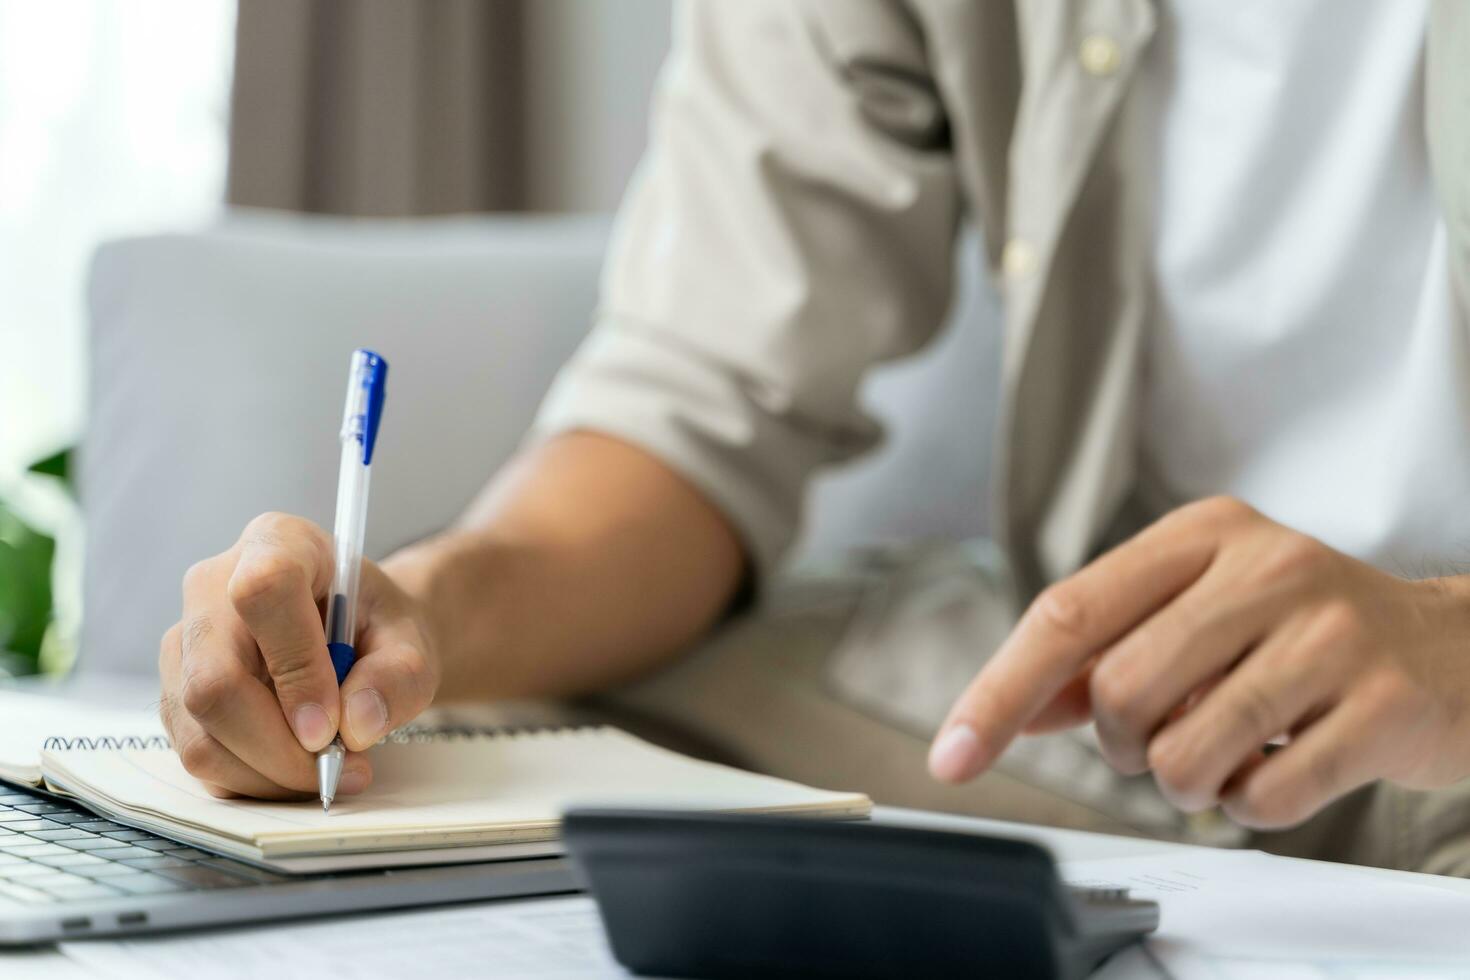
1076, 845
1067, 845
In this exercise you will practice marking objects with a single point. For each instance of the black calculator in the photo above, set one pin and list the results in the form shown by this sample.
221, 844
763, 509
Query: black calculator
717, 895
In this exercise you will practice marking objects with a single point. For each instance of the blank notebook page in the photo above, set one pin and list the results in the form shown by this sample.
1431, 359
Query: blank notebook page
27, 720
481, 790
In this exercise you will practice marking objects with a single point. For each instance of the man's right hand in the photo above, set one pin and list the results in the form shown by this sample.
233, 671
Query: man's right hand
249, 695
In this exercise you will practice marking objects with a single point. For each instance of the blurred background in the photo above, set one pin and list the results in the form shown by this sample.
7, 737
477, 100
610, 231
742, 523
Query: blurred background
129, 117
206, 205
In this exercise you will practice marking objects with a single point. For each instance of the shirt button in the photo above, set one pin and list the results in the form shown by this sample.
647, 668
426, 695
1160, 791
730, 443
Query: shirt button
1017, 259
1099, 55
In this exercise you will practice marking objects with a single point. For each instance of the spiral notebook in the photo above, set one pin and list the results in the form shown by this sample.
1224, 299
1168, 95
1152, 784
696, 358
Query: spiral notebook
438, 796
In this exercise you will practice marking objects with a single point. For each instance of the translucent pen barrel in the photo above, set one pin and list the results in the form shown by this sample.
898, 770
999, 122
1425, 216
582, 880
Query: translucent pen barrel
347, 540
359, 429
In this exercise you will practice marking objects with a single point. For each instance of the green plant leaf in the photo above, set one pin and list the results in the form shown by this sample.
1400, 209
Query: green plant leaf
58, 464
25, 587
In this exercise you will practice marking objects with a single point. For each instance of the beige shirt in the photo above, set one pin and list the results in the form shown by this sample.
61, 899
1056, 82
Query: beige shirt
794, 220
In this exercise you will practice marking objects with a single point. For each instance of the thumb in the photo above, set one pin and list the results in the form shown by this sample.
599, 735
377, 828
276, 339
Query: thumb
391, 683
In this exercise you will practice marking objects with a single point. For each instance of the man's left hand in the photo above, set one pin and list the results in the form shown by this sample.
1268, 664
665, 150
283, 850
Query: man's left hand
1215, 633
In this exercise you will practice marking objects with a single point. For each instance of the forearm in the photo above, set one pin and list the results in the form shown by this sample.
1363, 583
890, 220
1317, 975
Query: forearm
585, 562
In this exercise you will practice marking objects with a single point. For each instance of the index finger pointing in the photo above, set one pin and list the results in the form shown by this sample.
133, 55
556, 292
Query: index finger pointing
1068, 624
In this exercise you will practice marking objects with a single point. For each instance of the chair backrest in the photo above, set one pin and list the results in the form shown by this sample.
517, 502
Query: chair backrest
218, 360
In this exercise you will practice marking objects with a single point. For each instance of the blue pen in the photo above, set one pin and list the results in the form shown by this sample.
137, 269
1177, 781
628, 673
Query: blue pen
366, 390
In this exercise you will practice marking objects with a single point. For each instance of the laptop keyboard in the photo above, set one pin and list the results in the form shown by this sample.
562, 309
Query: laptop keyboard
54, 852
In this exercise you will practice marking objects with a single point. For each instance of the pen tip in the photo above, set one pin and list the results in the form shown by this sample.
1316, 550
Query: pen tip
326, 805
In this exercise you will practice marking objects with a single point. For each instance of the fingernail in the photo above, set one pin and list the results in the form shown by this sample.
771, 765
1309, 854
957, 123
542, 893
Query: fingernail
367, 715
953, 753
353, 781
312, 726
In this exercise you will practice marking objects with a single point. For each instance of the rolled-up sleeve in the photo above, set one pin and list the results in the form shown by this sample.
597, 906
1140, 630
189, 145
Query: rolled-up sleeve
791, 224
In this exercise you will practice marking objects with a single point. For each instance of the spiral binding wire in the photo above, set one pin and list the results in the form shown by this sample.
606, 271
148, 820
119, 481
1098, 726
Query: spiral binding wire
408, 735
413, 734
105, 742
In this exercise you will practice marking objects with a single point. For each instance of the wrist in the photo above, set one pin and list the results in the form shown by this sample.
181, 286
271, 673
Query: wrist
1451, 600
447, 580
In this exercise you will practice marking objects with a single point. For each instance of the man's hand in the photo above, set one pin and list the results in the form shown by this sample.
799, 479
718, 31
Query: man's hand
1215, 632
585, 562
248, 689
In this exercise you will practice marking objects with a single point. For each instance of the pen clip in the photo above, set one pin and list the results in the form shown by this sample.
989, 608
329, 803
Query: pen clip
365, 401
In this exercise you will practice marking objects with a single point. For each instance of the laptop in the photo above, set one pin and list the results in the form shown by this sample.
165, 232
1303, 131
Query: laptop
65, 873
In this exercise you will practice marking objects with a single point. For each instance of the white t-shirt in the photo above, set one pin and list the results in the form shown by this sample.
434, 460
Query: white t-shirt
1305, 352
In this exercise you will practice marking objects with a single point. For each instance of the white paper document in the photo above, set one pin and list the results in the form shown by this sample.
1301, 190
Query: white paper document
1226, 915
540, 939
1243, 915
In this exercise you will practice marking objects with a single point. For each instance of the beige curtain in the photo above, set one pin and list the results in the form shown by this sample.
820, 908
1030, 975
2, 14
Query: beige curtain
378, 107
